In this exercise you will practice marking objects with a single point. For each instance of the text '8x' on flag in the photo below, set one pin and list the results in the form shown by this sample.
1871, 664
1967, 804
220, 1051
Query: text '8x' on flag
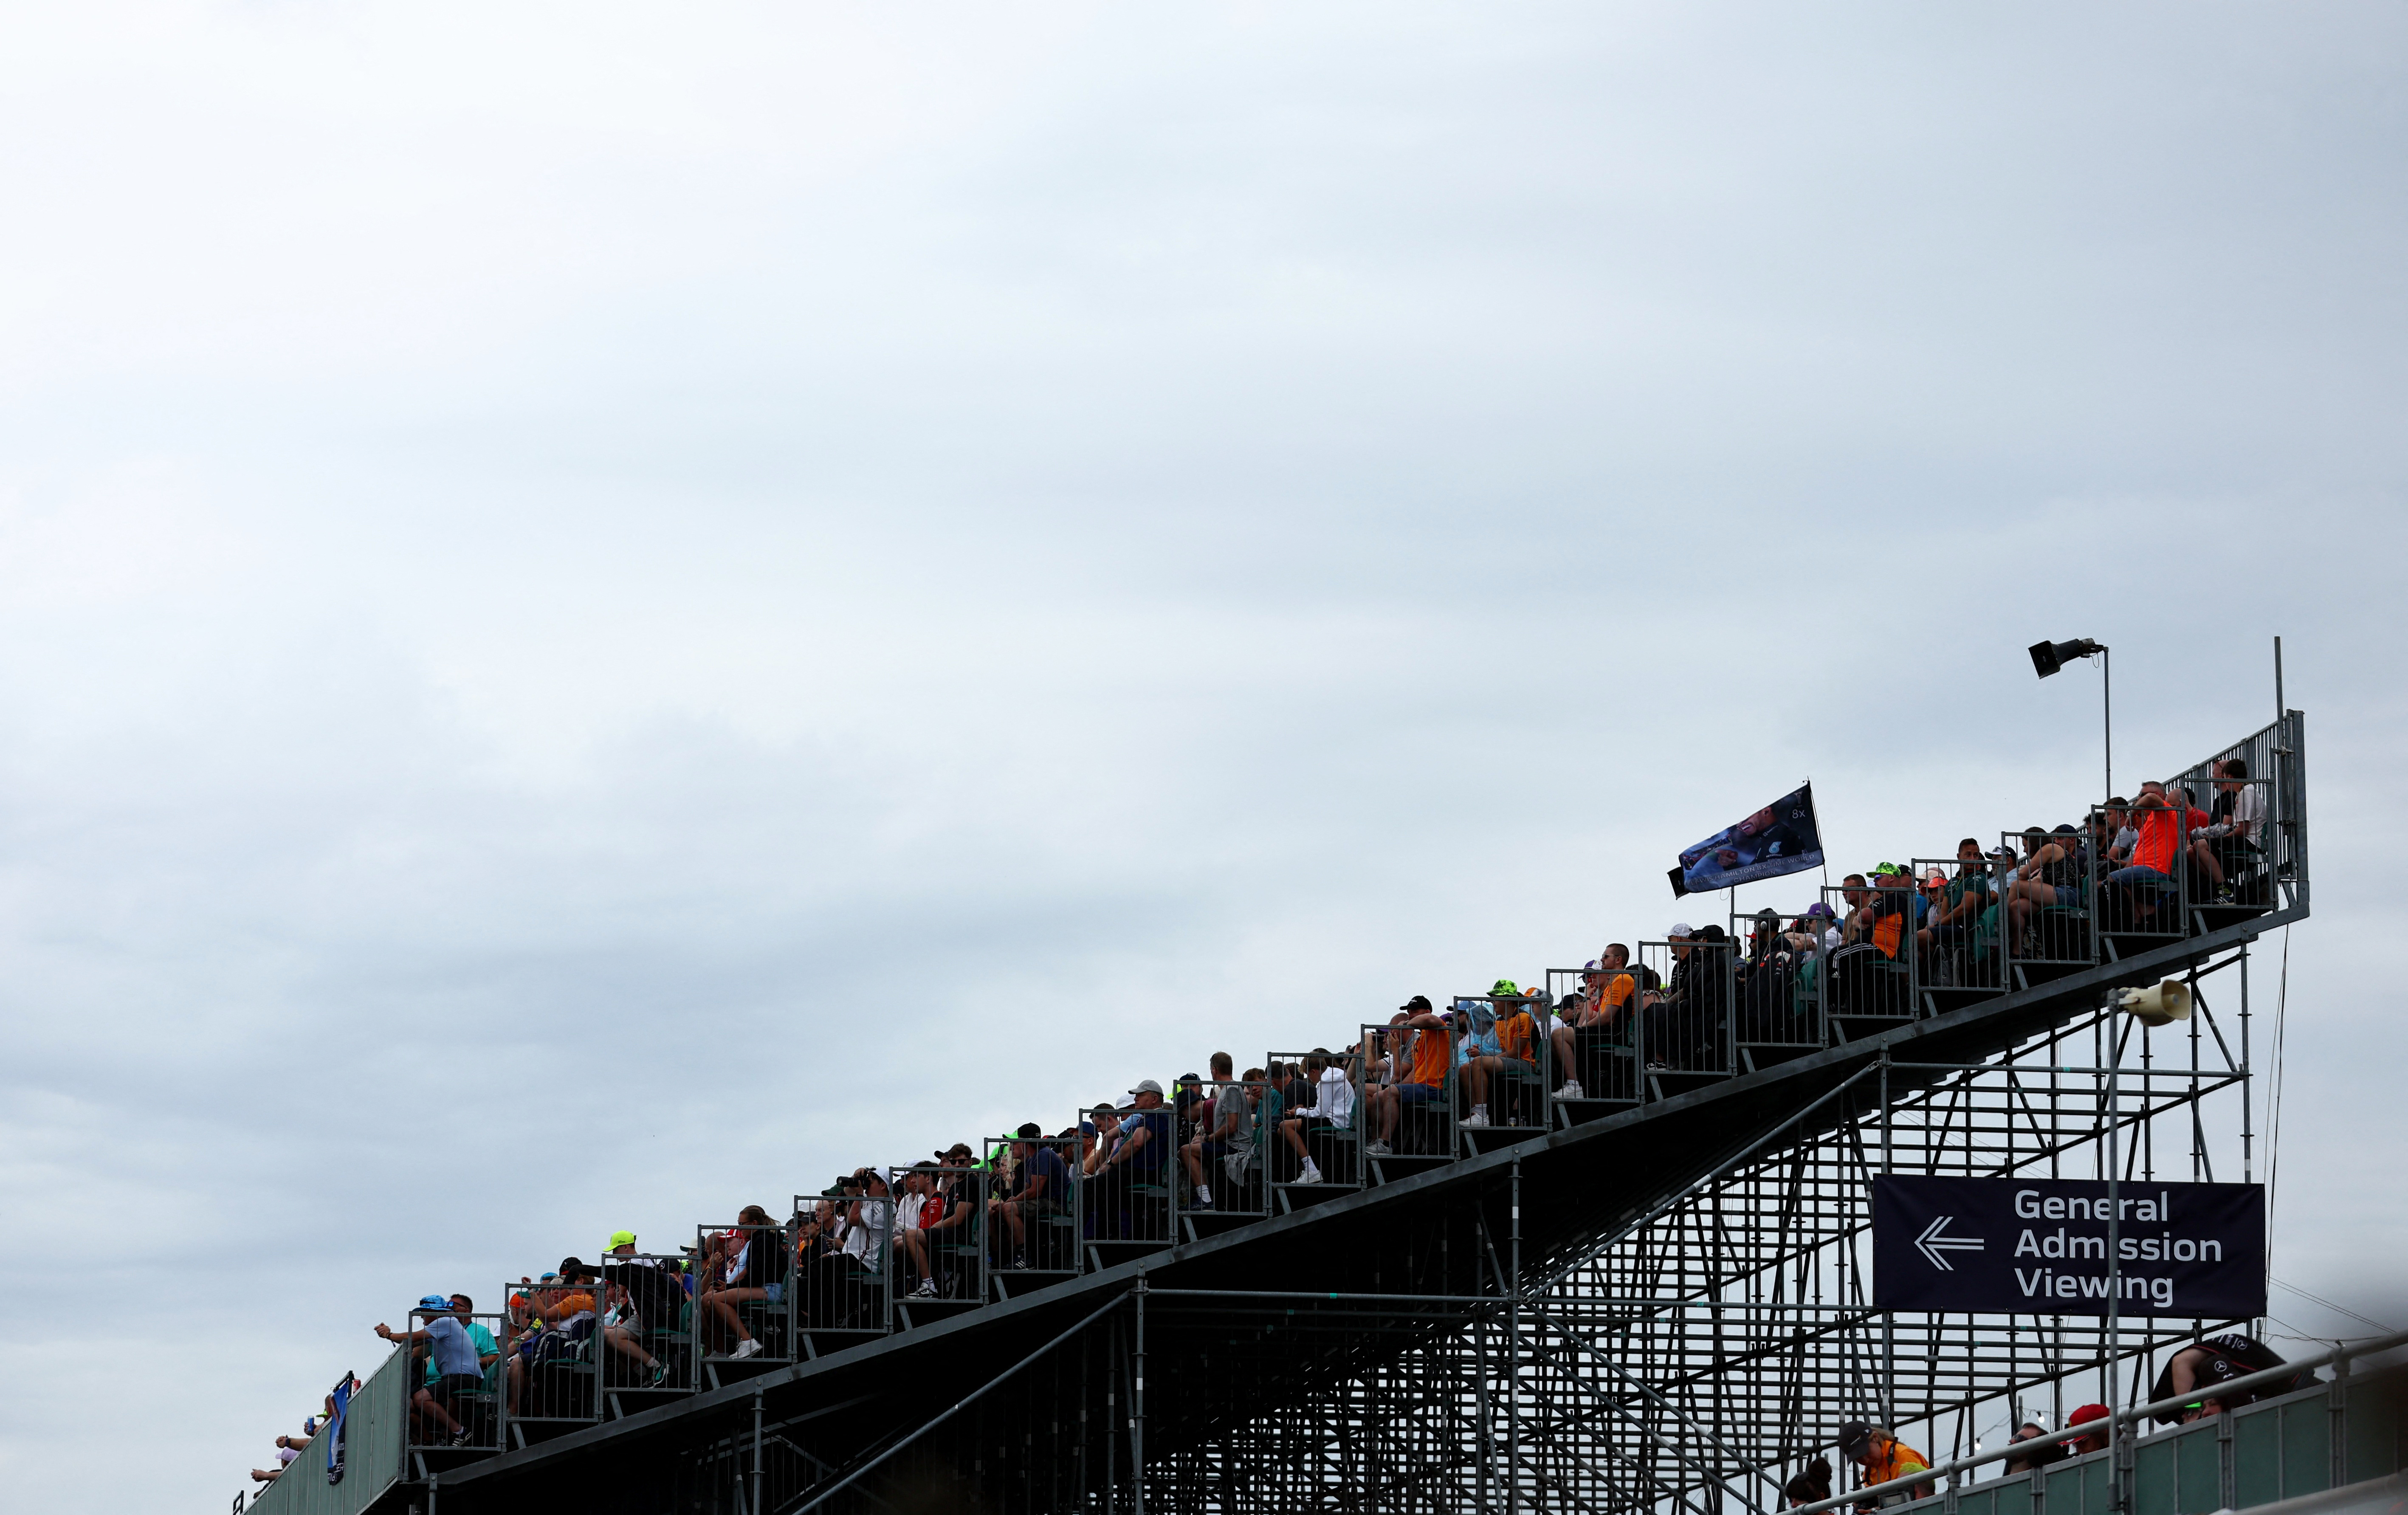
1780, 838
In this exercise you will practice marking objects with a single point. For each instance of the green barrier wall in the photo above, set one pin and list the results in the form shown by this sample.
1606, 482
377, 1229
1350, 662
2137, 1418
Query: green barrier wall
375, 1429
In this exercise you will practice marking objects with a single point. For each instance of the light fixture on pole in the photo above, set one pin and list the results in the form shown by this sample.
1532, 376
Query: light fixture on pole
2047, 657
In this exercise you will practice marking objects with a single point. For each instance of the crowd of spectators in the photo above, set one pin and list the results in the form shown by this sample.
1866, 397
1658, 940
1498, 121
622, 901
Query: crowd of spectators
932, 1230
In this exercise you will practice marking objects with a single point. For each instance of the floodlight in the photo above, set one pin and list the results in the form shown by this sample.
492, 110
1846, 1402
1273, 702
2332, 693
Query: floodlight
2047, 657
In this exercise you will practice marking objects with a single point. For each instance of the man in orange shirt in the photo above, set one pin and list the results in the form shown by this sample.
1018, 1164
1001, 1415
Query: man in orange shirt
1420, 1081
2164, 828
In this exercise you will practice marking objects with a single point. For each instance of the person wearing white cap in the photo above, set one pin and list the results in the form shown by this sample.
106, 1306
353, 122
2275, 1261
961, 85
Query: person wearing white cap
1141, 1155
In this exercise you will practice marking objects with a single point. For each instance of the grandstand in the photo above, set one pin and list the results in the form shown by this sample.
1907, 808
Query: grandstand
1642, 1282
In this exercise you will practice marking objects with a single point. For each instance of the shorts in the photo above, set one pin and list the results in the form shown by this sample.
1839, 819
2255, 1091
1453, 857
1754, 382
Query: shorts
1419, 1093
2139, 875
453, 1387
1516, 1064
1213, 1148
1031, 1209
2068, 895
775, 1292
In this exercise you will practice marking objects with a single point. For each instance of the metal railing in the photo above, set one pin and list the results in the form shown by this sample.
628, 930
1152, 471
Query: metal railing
1777, 994
1326, 1128
1129, 1191
742, 1293
1597, 1011
1226, 1158
1868, 982
648, 1328
1956, 941
547, 1372
941, 1230
1408, 1095
1035, 1227
1505, 1061
1686, 1028
2119, 1423
462, 1411
840, 1271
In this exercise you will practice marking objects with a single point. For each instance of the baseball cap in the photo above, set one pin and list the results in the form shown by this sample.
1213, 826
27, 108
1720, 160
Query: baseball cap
441, 1304
619, 1239
1145, 1086
1818, 909
1029, 1132
1680, 929
1419, 1002
1854, 1436
548, 1278
2088, 1412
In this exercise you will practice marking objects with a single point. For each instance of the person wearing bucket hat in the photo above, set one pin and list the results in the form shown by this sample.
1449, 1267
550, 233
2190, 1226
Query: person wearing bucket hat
453, 1354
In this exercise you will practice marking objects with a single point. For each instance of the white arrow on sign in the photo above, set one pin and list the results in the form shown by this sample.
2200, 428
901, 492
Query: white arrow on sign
1932, 1244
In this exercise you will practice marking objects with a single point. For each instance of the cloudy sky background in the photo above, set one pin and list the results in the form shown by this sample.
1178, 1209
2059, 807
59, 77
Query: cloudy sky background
604, 611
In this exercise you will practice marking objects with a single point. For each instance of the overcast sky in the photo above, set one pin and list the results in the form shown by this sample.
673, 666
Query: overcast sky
605, 611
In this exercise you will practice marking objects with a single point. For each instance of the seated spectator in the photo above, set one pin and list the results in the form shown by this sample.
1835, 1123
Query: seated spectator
1855, 915
868, 1223
1811, 1484
1496, 1039
2201, 1365
912, 1205
1477, 1055
2163, 830
1883, 1458
1962, 900
1420, 1039
646, 1297
460, 1372
2040, 1454
1043, 1189
2229, 843
2050, 876
1382, 1054
1225, 1130
745, 1263
1602, 1016
2122, 836
2096, 1440
1140, 1153
1682, 1025
564, 1321
1332, 1109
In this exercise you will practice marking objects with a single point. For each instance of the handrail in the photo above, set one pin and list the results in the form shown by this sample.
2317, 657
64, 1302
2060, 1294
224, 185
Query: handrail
2116, 1417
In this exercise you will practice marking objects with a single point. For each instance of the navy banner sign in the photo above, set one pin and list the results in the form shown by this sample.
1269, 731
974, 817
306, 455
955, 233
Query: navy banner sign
2038, 1247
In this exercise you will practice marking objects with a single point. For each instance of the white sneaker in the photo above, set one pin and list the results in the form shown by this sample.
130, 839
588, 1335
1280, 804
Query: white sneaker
1570, 1091
1378, 1149
1478, 1116
1204, 1194
1310, 1174
748, 1347
928, 1290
